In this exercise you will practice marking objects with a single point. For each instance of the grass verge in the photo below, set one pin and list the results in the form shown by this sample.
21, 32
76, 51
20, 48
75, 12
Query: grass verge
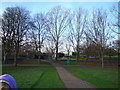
35, 77
98, 77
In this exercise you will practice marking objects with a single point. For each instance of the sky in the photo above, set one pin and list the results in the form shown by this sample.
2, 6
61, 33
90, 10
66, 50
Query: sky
36, 7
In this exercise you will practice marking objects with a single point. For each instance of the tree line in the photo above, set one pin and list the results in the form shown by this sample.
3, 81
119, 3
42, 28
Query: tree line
80, 31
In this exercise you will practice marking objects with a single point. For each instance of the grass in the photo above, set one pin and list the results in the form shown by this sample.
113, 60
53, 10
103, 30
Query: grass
63, 62
33, 61
98, 77
35, 77
105, 57
28, 61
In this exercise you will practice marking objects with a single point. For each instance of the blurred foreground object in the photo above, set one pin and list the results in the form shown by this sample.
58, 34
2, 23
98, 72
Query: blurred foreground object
7, 82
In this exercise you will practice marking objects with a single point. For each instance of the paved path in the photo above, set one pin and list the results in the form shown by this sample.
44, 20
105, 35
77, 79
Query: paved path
71, 81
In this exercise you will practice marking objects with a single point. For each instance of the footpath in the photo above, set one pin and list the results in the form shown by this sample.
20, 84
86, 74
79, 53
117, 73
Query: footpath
69, 80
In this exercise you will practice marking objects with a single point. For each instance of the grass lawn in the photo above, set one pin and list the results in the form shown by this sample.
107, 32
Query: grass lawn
35, 77
100, 78
63, 62
28, 61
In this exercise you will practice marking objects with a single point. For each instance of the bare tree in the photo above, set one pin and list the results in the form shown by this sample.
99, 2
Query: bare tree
116, 45
115, 14
7, 39
16, 20
58, 23
86, 45
68, 45
98, 32
38, 33
50, 48
33, 40
77, 27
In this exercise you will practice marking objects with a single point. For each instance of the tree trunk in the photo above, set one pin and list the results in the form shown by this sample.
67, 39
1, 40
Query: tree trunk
77, 54
102, 62
86, 57
39, 55
15, 60
51, 56
102, 57
56, 58
77, 57
4, 58
15, 57
39, 59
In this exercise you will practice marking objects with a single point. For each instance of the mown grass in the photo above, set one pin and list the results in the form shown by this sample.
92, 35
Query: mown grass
33, 61
98, 77
105, 57
35, 77
28, 61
